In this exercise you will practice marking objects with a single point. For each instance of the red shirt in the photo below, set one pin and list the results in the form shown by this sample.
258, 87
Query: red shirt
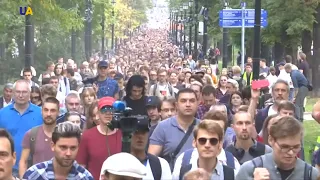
93, 150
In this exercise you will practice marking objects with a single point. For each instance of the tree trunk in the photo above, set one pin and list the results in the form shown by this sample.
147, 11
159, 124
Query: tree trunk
265, 53
316, 55
306, 43
289, 50
278, 52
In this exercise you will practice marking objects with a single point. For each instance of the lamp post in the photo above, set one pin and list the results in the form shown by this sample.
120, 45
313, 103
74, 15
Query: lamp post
181, 24
257, 41
225, 42
88, 28
196, 31
170, 20
190, 27
176, 25
205, 31
29, 40
185, 8
112, 25
102, 35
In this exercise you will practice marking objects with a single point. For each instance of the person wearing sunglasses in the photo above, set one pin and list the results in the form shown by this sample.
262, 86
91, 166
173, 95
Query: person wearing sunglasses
100, 142
285, 138
208, 140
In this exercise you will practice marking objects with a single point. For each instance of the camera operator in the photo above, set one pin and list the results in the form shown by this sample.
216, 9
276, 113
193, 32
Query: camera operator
135, 95
157, 168
172, 136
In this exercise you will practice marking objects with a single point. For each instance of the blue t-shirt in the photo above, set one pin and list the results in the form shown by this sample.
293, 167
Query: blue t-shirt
108, 87
17, 125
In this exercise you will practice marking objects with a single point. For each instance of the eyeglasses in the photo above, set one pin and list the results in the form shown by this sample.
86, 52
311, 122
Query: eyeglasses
203, 141
106, 109
286, 148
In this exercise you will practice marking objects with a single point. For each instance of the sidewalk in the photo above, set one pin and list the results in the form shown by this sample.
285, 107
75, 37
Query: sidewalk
307, 116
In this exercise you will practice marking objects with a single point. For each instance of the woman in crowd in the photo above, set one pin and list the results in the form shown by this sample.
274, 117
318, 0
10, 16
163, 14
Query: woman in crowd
87, 96
35, 96
64, 85
213, 76
222, 89
263, 135
235, 102
92, 118
74, 117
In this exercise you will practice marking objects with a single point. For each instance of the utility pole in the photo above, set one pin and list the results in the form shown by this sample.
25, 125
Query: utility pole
88, 29
257, 41
190, 27
196, 31
29, 40
205, 31
225, 43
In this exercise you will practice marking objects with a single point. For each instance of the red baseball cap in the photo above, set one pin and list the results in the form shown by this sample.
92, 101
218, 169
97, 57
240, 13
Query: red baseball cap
105, 101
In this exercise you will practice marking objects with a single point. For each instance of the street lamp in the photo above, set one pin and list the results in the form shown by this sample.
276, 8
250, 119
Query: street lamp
112, 26
181, 24
190, 27
88, 28
196, 30
185, 8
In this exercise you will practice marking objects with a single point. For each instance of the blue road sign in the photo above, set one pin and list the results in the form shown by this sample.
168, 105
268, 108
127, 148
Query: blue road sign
237, 14
237, 23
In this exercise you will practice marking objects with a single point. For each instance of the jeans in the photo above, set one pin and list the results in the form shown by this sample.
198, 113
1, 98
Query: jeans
291, 94
302, 94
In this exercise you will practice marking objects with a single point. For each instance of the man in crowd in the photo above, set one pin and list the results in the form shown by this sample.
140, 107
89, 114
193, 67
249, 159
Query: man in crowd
162, 88
9, 155
65, 144
6, 99
172, 136
20, 116
285, 137
245, 148
209, 99
36, 142
106, 86
300, 84
27, 75
153, 108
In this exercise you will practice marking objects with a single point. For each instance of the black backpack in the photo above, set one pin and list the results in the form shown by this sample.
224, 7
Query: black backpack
155, 165
228, 172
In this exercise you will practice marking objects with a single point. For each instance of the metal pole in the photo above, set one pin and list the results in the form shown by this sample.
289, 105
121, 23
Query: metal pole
205, 34
225, 45
181, 17
184, 32
170, 17
243, 35
257, 41
176, 25
112, 32
190, 32
88, 28
28, 42
196, 31
73, 44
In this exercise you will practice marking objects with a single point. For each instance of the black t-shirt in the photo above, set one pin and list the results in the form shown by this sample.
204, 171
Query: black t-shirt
138, 106
285, 173
304, 65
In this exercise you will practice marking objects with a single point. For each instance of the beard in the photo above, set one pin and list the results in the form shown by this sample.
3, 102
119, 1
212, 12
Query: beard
49, 121
64, 162
244, 136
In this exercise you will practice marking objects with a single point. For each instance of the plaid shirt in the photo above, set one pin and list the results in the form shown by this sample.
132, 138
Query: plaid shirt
44, 171
202, 109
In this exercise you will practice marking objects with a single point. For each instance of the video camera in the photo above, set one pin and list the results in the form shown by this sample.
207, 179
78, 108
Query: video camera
122, 119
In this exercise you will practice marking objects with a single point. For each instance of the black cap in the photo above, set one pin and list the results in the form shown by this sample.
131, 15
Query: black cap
153, 101
103, 64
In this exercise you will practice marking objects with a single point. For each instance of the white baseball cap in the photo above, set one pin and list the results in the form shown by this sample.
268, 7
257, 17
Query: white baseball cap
123, 164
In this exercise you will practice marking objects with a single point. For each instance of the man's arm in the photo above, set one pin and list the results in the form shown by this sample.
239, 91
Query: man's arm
157, 140
23, 163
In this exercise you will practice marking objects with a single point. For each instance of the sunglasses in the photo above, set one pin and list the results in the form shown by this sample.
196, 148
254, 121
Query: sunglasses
106, 109
203, 141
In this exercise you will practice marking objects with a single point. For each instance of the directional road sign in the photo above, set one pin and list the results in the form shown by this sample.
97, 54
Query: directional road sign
237, 23
237, 14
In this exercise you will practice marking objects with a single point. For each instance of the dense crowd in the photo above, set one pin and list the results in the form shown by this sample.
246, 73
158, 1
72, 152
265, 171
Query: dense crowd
203, 122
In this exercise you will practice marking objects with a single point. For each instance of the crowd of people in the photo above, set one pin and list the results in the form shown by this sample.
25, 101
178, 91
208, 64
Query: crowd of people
204, 123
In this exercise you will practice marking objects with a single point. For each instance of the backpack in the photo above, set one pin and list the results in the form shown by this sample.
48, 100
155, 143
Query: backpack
256, 151
258, 162
170, 89
188, 153
33, 138
228, 172
315, 152
155, 166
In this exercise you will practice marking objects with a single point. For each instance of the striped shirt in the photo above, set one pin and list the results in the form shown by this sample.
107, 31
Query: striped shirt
44, 171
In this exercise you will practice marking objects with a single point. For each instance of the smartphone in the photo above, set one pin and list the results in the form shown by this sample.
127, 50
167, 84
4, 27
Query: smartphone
258, 84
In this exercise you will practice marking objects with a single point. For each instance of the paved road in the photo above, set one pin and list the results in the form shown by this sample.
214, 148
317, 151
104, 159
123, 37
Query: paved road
307, 116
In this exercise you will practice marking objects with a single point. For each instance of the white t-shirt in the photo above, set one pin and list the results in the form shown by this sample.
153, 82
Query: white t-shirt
194, 159
161, 91
166, 172
286, 77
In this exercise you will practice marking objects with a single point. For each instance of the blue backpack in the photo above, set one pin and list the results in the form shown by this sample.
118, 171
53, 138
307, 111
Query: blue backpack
186, 166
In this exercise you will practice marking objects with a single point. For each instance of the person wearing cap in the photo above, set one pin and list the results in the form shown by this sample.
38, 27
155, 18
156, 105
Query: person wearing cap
153, 109
157, 168
6, 99
100, 142
106, 85
122, 166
